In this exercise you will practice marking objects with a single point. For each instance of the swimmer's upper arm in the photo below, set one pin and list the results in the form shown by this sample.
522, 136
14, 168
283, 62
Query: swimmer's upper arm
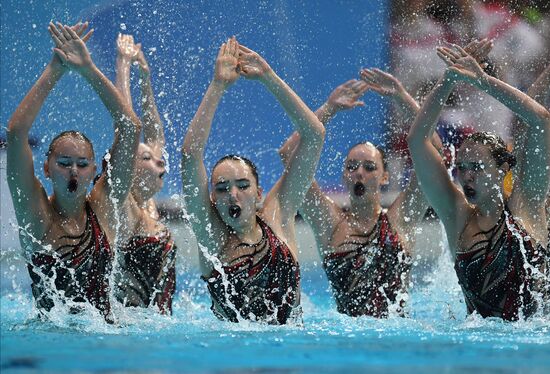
411, 204
299, 172
433, 178
321, 213
409, 207
532, 173
206, 223
30, 201
434, 181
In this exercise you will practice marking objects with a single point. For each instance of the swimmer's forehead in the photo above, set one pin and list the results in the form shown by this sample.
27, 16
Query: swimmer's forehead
232, 170
363, 152
70, 147
473, 152
145, 148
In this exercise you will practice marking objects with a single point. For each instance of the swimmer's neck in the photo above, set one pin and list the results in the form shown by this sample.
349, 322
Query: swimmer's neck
141, 201
249, 234
365, 208
73, 208
491, 209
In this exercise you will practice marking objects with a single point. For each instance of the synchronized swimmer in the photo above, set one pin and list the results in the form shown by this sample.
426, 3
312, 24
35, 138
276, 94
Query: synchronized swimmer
247, 246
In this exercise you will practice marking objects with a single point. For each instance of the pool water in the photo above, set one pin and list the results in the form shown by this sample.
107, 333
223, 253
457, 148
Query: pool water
437, 336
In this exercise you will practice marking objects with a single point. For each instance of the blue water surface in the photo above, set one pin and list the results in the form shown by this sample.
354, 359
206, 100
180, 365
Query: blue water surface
436, 336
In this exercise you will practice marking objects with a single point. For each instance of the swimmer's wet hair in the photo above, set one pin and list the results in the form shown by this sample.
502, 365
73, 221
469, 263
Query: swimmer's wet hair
72, 134
496, 145
249, 163
379, 148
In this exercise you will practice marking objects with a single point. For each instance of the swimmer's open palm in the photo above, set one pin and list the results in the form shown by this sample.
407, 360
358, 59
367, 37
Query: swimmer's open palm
461, 65
479, 49
381, 82
70, 48
126, 48
346, 95
225, 71
251, 64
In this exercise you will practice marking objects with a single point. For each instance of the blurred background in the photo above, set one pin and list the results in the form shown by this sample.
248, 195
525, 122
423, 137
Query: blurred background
313, 45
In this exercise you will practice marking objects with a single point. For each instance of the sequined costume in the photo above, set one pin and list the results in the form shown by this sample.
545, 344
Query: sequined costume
492, 275
263, 285
368, 272
78, 271
147, 272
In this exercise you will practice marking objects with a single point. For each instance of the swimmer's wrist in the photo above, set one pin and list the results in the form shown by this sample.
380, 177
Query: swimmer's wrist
88, 70
269, 77
328, 109
56, 66
123, 59
449, 77
482, 81
219, 85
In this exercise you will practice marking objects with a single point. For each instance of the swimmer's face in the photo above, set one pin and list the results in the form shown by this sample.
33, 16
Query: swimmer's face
149, 171
364, 171
477, 172
235, 193
70, 166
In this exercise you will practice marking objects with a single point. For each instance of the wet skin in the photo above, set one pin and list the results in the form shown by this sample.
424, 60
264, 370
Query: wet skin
71, 167
149, 172
364, 171
235, 194
478, 174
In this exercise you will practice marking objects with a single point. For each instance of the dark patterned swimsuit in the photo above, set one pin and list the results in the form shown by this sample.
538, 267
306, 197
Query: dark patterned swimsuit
266, 290
79, 271
147, 272
368, 271
492, 275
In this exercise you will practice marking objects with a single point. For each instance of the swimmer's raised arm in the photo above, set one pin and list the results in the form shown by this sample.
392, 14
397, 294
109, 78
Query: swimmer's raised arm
410, 205
73, 53
447, 200
207, 225
540, 89
129, 53
153, 128
344, 97
126, 54
290, 190
533, 174
317, 208
386, 84
29, 197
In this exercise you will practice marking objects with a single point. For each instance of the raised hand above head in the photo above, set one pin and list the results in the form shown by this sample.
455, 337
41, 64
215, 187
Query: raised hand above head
70, 48
386, 84
478, 49
142, 62
461, 65
79, 28
346, 96
126, 48
251, 64
381, 82
225, 71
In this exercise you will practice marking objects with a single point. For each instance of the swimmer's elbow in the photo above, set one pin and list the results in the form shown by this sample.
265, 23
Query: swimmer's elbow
412, 139
319, 134
545, 115
190, 154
